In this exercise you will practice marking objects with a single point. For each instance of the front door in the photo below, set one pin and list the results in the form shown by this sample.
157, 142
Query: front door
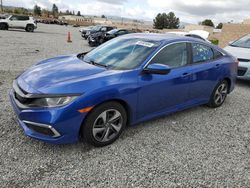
159, 93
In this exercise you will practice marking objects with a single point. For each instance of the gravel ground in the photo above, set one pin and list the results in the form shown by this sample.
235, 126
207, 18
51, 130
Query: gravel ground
199, 147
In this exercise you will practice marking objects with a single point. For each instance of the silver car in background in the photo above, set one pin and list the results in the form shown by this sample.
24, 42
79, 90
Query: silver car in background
241, 50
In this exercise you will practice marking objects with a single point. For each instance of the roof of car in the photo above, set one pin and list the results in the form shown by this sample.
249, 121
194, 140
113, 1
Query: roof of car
164, 38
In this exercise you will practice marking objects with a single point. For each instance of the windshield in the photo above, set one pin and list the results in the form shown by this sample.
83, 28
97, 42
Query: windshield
97, 28
113, 31
122, 53
244, 42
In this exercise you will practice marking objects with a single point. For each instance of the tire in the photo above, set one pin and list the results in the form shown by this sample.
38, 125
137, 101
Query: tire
3, 26
219, 94
29, 28
91, 44
101, 40
104, 124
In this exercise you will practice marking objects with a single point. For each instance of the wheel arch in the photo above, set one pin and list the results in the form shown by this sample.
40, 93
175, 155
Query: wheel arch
123, 103
229, 84
120, 101
29, 24
6, 23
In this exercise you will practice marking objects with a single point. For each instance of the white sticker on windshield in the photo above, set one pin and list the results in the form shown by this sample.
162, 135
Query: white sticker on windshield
146, 44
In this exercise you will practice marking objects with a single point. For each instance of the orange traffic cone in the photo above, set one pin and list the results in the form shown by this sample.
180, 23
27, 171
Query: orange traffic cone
69, 37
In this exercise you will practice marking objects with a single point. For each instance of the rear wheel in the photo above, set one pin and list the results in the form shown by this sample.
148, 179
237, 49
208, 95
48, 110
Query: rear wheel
3, 26
219, 95
29, 28
104, 124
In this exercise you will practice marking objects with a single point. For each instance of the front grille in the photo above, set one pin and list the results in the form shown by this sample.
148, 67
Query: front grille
21, 95
21, 99
41, 130
244, 60
242, 71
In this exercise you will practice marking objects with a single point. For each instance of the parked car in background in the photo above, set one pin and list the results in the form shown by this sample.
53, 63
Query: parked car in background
198, 34
52, 21
76, 25
97, 29
18, 22
128, 80
115, 33
4, 16
83, 30
241, 50
101, 37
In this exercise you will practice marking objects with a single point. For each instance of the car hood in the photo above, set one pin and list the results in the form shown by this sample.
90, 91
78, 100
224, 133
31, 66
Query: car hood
62, 75
240, 53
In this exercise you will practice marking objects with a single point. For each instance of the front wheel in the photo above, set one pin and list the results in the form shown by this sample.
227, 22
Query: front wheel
104, 124
219, 95
101, 40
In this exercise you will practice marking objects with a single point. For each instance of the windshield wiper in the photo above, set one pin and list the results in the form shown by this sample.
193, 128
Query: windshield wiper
97, 64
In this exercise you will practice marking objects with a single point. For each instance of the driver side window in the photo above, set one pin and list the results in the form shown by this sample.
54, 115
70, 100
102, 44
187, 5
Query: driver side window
175, 55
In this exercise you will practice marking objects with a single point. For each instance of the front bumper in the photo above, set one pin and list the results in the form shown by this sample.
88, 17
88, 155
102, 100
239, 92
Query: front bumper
63, 124
244, 71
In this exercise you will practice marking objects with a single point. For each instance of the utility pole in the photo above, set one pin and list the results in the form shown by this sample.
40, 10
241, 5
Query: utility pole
1, 5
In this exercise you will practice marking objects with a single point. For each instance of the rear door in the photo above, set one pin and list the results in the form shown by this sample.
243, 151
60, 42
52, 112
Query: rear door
23, 21
206, 70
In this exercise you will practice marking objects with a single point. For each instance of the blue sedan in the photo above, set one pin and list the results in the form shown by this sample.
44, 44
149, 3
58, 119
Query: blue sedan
128, 80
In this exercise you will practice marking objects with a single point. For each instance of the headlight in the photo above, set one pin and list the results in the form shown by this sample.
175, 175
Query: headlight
52, 102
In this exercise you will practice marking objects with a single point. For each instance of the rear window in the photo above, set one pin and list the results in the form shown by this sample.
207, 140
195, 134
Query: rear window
202, 53
23, 18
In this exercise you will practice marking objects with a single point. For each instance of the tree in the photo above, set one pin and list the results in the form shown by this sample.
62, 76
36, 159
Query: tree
207, 22
73, 12
45, 12
166, 21
1, 5
54, 10
21, 11
219, 26
103, 16
78, 13
37, 10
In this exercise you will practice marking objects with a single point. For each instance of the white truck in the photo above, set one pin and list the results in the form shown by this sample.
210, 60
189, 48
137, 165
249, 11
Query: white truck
18, 22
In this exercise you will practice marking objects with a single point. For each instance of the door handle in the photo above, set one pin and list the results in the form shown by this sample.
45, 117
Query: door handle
217, 66
185, 74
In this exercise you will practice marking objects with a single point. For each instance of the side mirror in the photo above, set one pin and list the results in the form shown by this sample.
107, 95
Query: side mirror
231, 42
157, 69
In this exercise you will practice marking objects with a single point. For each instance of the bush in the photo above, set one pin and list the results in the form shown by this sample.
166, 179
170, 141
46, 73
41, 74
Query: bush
215, 41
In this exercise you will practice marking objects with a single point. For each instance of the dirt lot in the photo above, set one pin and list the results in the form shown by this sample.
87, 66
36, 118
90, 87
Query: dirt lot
200, 147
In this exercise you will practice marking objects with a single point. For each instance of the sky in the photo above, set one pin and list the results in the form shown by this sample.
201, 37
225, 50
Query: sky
190, 11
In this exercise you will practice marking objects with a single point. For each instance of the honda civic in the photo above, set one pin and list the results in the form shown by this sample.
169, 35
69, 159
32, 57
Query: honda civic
126, 81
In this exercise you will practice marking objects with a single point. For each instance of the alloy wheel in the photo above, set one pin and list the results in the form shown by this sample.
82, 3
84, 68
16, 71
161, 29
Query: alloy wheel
220, 94
107, 125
